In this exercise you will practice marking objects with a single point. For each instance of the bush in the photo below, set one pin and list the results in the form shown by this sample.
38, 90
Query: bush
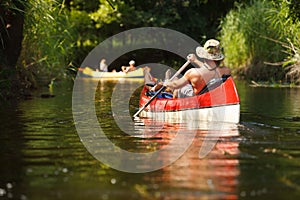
284, 17
249, 40
49, 41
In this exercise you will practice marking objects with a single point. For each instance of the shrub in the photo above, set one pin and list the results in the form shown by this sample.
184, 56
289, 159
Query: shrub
248, 38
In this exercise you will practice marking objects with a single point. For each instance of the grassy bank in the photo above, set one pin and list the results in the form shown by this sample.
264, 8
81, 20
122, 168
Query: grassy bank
261, 41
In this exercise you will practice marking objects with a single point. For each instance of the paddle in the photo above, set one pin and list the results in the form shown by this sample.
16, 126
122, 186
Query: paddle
161, 89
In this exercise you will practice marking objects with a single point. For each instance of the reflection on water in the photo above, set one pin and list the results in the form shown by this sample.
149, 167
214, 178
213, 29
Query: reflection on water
278, 107
42, 156
213, 177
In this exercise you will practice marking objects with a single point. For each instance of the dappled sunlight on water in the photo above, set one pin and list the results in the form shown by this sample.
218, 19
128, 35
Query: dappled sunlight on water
42, 156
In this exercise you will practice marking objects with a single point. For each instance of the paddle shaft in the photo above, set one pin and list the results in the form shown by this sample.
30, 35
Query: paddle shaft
161, 89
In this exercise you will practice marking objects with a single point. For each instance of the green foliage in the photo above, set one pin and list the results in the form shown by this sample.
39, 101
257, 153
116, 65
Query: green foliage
57, 37
84, 34
244, 34
59, 34
48, 44
252, 36
199, 19
234, 41
283, 17
106, 14
292, 63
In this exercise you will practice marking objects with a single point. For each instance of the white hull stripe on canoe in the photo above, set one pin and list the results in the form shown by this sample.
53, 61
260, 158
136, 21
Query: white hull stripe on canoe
227, 113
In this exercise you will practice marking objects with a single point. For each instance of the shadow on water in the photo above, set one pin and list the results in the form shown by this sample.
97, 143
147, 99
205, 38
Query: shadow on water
44, 158
12, 143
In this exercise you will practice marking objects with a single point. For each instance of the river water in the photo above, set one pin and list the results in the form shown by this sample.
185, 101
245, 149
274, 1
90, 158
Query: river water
44, 157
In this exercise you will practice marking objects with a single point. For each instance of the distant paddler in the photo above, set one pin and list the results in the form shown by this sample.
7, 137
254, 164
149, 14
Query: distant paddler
129, 68
103, 66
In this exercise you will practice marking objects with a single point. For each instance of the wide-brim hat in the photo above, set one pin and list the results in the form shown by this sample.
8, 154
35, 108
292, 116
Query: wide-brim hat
210, 51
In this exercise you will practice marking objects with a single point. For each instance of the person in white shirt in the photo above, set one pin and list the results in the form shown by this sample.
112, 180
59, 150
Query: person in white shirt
103, 66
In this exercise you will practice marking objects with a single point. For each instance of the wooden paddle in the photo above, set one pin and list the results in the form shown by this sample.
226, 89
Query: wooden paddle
161, 89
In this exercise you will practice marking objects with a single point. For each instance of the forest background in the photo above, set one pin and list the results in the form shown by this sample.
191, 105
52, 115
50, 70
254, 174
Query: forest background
43, 41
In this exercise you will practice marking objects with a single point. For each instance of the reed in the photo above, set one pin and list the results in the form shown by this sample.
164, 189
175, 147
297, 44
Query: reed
284, 17
48, 44
249, 35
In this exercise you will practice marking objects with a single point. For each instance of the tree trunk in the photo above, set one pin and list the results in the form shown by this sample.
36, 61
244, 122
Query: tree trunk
11, 35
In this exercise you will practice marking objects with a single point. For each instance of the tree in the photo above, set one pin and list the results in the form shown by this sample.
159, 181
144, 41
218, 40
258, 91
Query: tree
11, 35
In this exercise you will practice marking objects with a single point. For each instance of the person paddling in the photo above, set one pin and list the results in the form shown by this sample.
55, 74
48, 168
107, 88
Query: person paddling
103, 66
195, 79
129, 68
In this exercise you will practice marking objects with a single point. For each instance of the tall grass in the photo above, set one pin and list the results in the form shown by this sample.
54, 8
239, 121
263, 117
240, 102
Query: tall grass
252, 37
48, 44
284, 19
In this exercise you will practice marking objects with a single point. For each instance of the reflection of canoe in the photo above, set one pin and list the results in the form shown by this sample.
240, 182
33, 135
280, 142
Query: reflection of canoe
97, 74
218, 104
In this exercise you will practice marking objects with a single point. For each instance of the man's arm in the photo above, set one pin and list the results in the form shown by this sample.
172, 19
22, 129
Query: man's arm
193, 59
176, 84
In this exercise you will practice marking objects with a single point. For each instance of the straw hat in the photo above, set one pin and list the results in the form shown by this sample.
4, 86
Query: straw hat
210, 51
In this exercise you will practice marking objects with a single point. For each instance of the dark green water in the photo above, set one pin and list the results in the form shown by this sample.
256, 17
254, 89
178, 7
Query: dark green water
42, 156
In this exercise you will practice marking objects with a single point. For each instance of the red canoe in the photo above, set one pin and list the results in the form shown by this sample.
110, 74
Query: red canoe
220, 103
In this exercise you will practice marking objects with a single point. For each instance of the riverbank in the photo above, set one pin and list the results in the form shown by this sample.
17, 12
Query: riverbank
273, 85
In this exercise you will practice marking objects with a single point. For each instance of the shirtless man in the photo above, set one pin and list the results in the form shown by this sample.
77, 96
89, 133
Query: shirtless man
130, 68
195, 79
